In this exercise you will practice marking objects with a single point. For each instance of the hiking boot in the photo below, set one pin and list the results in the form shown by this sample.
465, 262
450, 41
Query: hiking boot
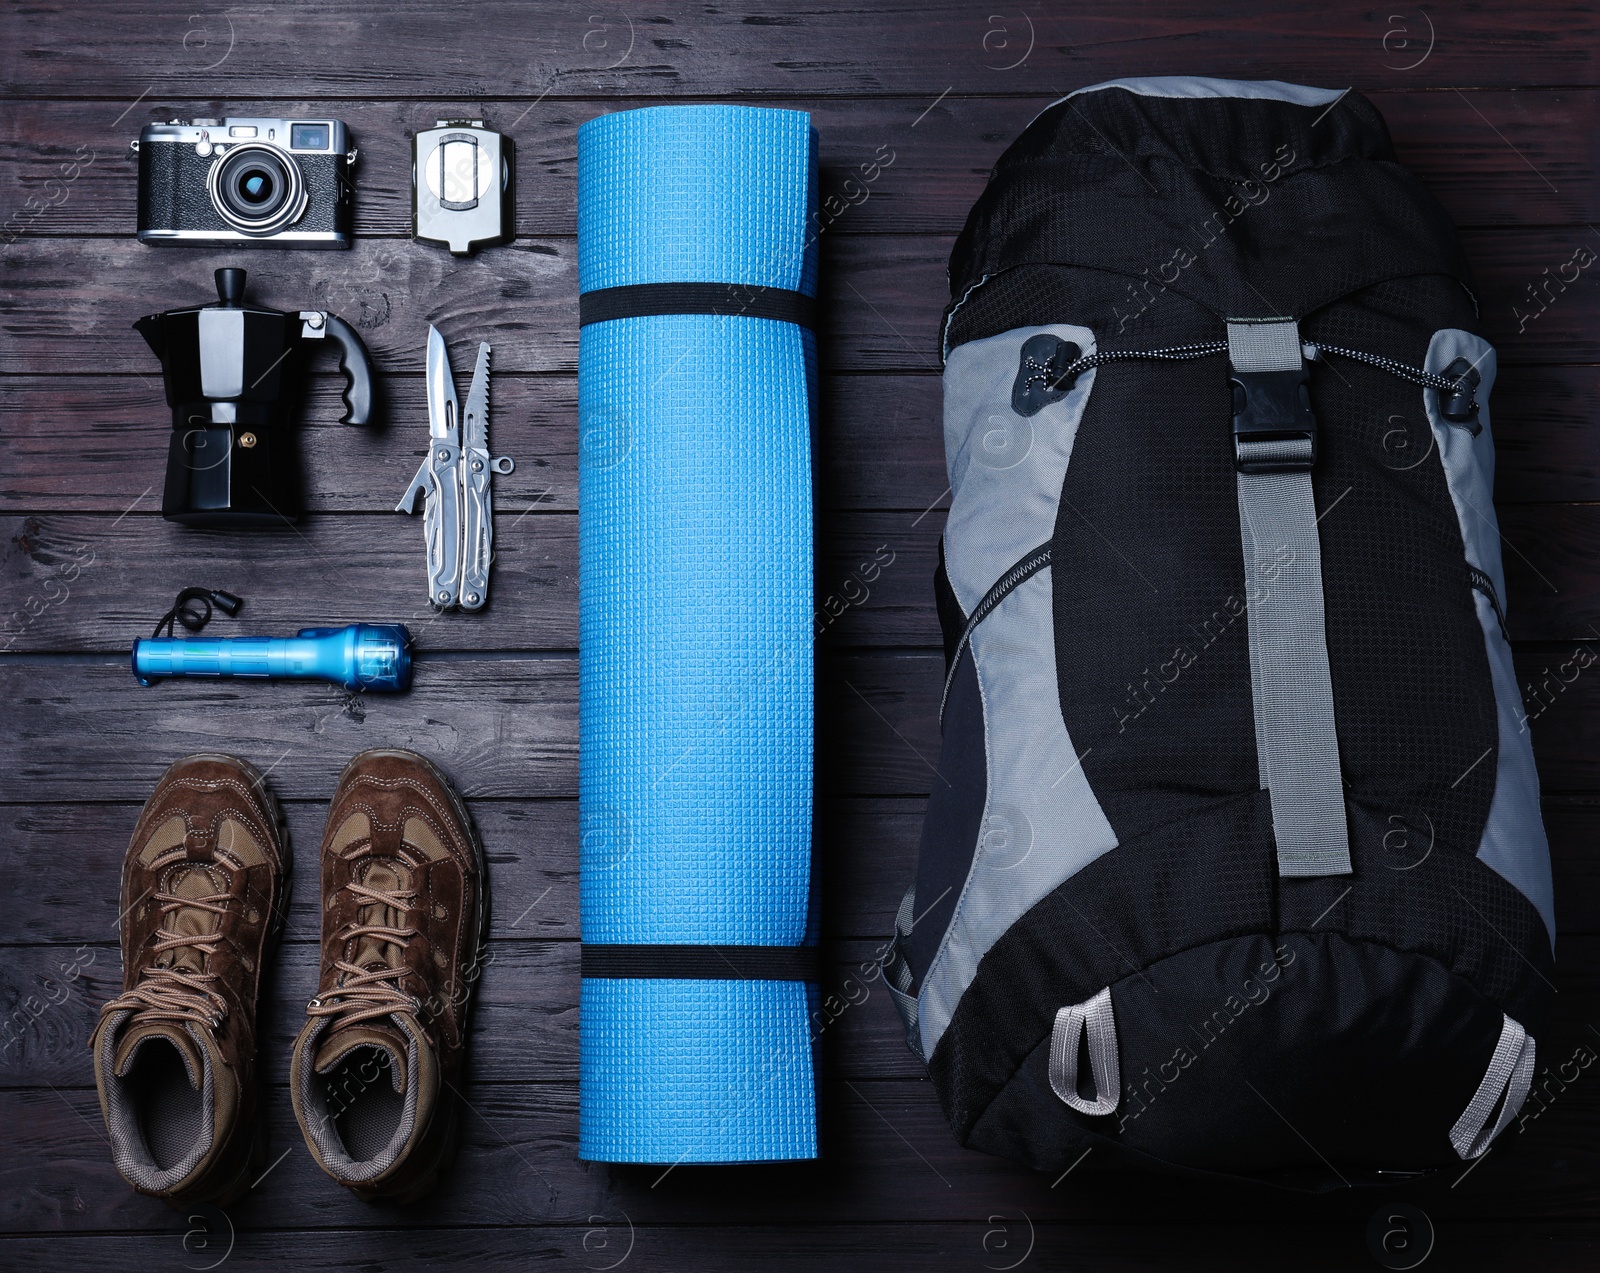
375, 1071
205, 884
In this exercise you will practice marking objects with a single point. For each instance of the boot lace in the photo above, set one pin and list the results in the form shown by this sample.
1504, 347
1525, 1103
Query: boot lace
169, 991
365, 993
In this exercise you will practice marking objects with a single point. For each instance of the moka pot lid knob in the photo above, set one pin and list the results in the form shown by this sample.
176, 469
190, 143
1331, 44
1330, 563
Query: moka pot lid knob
230, 287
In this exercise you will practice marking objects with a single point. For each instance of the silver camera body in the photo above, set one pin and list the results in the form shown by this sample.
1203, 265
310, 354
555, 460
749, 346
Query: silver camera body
246, 182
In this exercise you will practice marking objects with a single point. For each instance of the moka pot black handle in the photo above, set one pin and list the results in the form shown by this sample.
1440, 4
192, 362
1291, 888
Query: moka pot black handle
356, 364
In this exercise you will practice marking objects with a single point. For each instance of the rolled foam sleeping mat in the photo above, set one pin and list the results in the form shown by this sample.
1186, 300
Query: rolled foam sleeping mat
696, 388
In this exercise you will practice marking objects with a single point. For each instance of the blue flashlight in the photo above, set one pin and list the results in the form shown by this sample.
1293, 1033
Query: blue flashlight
363, 656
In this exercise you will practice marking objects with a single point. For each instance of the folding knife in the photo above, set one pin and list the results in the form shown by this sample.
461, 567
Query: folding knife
453, 483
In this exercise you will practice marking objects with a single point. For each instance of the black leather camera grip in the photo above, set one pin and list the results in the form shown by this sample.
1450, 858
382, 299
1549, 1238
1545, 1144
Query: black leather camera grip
356, 364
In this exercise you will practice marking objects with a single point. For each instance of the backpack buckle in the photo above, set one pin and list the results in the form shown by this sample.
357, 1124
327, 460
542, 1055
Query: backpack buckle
1274, 430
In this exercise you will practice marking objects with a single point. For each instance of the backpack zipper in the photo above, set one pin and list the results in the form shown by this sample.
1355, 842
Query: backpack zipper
1481, 581
1030, 565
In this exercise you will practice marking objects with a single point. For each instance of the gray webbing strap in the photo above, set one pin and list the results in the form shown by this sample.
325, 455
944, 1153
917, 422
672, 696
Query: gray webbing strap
1270, 344
1505, 1083
897, 978
1296, 744
1094, 1018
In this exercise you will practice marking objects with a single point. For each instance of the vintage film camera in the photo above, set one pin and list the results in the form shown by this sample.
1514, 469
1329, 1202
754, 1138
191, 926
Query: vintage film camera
246, 182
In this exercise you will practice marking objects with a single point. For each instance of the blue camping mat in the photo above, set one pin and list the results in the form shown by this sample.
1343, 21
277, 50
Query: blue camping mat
696, 388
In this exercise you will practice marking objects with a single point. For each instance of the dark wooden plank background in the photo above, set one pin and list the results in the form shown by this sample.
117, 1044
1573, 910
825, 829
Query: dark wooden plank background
1498, 107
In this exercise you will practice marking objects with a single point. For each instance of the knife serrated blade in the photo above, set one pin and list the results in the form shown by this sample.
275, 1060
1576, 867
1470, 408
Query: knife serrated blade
477, 503
475, 430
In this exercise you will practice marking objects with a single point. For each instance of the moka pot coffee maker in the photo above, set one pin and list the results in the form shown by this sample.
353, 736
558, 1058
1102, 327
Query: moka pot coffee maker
234, 374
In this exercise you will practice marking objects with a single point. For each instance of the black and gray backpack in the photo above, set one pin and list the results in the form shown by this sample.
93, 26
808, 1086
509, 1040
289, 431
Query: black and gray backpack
1234, 862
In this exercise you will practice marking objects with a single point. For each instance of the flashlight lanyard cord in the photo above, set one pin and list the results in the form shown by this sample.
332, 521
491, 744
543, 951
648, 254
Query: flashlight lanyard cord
193, 609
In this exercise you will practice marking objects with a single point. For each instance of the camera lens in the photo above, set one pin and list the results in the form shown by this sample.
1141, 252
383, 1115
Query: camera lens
257, 189
255, 186
252, 185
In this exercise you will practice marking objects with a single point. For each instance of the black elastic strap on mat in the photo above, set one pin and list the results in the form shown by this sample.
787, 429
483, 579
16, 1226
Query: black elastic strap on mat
643, 300
704, 963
